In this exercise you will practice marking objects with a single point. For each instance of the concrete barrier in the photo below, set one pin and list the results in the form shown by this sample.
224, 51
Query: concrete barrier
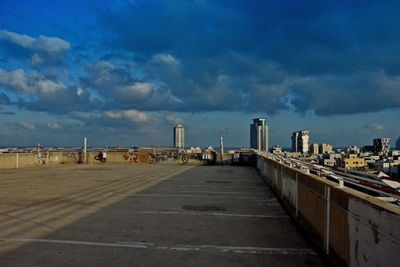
24, 160
349, 227
158, 156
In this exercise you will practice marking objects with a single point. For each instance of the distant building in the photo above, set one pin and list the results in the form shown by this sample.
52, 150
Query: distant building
366, 149
259, 134
300, 141
314, 149
398, 144
325, 148
276, 150
328, 162
194, 150
395, 153
179, 136
351, 162
370, 159
381, 145
352, 150
329, 159
390, 168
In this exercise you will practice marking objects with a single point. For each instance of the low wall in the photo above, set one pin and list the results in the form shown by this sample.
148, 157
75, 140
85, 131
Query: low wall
238, 159
158, 156
24, 160
350, 227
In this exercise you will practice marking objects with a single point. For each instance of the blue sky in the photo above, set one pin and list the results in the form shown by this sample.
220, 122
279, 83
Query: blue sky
125, 72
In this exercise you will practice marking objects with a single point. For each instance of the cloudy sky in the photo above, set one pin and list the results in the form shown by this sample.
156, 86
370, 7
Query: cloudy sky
125, 72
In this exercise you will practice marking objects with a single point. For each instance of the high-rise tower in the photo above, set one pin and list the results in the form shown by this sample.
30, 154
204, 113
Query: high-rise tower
179, 136
259, 134
300, 141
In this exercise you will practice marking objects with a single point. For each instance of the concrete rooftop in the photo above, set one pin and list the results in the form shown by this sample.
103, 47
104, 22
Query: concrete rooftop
145, 215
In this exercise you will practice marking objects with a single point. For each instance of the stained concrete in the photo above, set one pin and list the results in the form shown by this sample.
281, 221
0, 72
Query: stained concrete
145, 215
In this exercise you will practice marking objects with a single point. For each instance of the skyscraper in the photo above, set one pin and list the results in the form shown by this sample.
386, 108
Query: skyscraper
179, 136
300, 141
259, 134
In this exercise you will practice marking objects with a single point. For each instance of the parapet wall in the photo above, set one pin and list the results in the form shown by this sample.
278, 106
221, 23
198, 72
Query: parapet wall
23, 160
350, 227
157, 156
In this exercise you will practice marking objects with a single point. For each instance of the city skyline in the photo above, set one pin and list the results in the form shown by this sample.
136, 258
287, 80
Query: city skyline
328, 67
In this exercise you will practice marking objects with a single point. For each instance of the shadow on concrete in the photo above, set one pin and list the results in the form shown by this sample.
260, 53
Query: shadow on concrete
158, 226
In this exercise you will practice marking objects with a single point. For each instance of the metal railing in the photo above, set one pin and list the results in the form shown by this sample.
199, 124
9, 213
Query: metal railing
371, 184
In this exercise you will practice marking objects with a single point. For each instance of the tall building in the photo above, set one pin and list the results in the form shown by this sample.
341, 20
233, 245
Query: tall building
259, 134
179, 136
314, 149
381, 145
300, 141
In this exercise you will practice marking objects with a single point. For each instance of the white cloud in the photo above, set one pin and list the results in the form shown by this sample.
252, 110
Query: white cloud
30, 83
137, 91
79, 91
42, 43
375, 127
86, 115
51, 44
131, 115
36, 59
165, 59
118, 87
42, 49
27, 125
53, 125
173, 119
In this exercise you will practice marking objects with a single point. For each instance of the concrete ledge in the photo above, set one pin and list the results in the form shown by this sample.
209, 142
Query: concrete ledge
350, 227
25, 160
158, 156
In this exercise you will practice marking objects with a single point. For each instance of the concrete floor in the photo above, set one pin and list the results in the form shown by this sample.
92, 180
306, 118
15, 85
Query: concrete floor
142, 215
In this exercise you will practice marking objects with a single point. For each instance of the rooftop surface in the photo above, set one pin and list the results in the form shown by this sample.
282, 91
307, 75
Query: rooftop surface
145, 215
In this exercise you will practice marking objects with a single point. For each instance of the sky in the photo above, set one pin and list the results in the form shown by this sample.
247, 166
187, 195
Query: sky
126, 72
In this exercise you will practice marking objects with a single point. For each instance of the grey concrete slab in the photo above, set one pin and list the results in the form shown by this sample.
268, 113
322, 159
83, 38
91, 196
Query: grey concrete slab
145, 216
